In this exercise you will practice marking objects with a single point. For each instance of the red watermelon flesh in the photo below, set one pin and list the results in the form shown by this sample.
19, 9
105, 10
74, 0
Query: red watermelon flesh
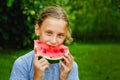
50, 52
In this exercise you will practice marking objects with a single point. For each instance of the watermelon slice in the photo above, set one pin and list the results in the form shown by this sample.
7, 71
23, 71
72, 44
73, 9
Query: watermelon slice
52, 53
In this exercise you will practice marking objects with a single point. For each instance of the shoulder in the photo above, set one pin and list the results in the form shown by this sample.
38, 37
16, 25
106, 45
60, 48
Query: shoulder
27, 56
22, 67
25, 60
75, 65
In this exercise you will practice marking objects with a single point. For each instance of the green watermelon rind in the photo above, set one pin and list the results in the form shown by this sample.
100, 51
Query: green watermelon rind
55, 60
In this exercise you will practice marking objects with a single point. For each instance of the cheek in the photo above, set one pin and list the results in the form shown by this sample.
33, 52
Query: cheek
44, 38
61, 41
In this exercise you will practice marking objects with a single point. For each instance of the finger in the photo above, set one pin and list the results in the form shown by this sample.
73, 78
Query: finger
35, 57
45, 64
65, 59
62, 64
69, 57
43, 60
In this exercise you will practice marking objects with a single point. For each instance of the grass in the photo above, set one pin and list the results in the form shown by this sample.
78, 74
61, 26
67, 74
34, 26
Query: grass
7, 58
95, 61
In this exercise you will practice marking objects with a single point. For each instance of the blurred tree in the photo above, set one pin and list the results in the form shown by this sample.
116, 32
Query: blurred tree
13, 29
95, 20
90, 20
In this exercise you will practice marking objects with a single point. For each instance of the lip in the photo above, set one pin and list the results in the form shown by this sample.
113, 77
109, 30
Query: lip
48, 43
53, 45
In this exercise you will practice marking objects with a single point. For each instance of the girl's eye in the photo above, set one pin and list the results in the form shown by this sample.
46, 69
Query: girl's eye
48, 33
60, 35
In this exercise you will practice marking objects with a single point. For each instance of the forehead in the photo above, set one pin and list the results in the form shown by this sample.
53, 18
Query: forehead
53, 24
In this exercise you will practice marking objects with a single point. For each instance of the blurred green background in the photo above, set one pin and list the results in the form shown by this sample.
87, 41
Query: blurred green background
96, 32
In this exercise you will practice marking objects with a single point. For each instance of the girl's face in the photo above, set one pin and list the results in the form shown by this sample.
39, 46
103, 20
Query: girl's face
52, 31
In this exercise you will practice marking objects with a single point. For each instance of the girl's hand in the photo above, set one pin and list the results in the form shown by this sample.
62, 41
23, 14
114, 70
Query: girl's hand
39, 67
66, 66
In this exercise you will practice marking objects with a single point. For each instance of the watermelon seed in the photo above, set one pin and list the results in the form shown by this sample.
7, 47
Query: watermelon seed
62, 50
44, 51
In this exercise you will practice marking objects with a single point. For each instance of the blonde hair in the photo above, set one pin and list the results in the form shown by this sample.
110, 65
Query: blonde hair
58, 13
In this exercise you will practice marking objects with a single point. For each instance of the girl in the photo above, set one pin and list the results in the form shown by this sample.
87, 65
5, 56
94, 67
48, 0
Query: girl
53, 29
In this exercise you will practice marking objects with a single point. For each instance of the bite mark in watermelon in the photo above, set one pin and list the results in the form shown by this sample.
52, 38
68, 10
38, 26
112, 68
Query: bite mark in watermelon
52, 53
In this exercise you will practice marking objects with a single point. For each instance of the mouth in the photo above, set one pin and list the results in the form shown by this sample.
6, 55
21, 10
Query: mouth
51, 44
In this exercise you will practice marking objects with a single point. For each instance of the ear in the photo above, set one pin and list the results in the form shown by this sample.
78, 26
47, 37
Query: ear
37, 29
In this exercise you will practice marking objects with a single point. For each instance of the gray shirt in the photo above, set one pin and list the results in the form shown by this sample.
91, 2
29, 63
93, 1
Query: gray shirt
23, 69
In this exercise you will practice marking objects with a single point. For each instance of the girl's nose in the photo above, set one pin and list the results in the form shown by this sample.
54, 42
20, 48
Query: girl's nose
54, 41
